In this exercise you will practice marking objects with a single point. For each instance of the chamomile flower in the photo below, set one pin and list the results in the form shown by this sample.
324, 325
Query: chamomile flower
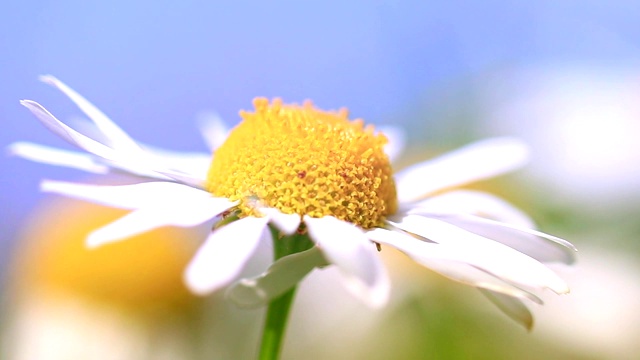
324, 185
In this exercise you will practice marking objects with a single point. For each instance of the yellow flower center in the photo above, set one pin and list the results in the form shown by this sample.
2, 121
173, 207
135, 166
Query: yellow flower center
306, 161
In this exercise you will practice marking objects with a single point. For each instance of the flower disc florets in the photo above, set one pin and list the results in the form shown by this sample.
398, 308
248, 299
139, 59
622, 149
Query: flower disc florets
302, 160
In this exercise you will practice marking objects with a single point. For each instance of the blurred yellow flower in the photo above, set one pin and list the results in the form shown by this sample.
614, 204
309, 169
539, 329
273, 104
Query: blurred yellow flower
143, 271
124, 300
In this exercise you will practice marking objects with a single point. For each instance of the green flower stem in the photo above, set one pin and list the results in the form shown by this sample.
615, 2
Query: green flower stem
275, 325
278, 310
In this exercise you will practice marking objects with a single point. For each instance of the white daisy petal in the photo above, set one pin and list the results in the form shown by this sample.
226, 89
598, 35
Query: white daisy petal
213, 129
494, 218
68, 134
134, 169
445, 261
287, 223
136, 162
397, 141
486, 254
81, 161
194, 180
472, 202
511, 306
136, 196
193, 163
134, 223
143, 164
480, 160
187, 213
346, 246
540, 246
125, 196
118, 139
57, 157
223, 255
281, 276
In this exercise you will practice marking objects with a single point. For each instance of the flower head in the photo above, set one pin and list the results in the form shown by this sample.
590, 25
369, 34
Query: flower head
316, 177
304, 161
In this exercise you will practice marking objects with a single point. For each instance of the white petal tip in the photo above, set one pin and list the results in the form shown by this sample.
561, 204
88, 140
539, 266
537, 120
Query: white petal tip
53, 186
94, 242
48, 79
223, 255
518, 151
373, 295
99, 238
92, 245
378, 302
36, 109
507, 141
373, 298
561, 290
287, 223
13, 149
197, 283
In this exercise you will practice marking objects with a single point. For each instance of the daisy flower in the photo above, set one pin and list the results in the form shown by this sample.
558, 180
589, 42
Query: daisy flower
322, 189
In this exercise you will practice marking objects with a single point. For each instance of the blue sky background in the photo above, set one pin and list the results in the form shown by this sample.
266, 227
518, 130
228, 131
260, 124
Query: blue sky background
153, 65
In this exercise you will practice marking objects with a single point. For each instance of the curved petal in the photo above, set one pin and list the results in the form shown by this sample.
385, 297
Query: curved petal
471, 202
57, 157
496, 219
68, 134
540, 246
223, 255
157, 204
346, 246
213, 129
486, 254
135, 196
136, 162
193, 180
280, 277
397, 141
287, 223
134, 223
513, 307
448, 263
185, 214
118, 139
76, 160
480, 160
137, 169
194, 163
